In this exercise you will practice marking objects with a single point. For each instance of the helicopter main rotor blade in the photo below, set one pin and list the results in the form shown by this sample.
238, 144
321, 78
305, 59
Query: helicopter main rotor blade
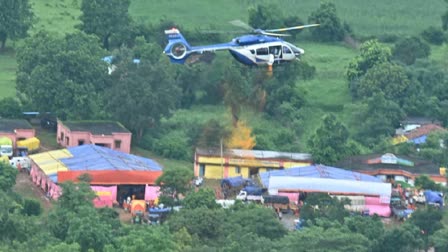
241, 24
293, 28
275, 34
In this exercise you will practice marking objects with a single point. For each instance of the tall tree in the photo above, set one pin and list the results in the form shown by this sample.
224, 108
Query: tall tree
388, 78
62, 75
372, 53
15, 19
330, 142
266, 16
408, 49
331, 27
104, 17
375, 119
7, 176
175, 181
141, 94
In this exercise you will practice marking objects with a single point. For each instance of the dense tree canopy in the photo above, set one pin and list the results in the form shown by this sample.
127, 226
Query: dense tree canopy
16, 18
104, 17
65, 76
330, 142
408, 49
141, 94
7, 176
331, 27
372, 53
388, 78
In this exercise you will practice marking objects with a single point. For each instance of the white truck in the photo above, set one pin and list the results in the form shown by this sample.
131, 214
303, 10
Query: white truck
6, 148
244, 196
21, 163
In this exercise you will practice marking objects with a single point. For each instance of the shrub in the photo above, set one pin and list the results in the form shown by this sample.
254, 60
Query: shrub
173, 145
407, 50
31, 207
434, 35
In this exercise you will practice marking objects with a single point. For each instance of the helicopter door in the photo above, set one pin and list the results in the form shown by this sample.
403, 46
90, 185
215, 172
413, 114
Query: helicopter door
262, 55
287, 53
276, 51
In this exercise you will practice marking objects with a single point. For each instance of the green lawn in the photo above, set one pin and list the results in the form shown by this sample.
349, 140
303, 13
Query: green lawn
365, 17
7, 73
59, 16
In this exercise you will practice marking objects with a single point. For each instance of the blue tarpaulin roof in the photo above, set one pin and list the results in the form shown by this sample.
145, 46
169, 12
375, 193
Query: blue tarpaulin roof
419, 140
96, 158
317, 171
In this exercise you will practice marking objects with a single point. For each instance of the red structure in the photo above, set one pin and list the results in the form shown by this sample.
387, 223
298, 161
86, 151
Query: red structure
108, 134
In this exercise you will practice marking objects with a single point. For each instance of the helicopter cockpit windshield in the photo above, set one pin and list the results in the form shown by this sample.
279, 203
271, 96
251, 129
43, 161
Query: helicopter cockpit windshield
297, 51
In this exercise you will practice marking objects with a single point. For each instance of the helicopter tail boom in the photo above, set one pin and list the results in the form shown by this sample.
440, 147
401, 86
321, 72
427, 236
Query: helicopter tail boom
178, 48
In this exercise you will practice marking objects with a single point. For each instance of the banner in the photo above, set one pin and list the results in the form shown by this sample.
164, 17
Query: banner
151, 192
106, 195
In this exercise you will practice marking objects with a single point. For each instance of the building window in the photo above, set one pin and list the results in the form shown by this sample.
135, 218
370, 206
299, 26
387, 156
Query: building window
62, 136
237, 170
67, 140
201, 170
80, 142
117, 144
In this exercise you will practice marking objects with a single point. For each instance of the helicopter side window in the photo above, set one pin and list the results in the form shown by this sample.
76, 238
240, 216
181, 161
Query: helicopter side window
262, 51
275, 50
252, 51
286, 50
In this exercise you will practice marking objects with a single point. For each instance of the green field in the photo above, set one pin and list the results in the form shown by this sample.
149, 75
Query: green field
59, 16
7, 74
365, 17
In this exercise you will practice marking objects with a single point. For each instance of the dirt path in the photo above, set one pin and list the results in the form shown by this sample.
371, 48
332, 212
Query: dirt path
27, 189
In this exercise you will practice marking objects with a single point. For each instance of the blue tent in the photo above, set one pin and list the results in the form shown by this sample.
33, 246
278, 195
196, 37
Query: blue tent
433, 197
91, 157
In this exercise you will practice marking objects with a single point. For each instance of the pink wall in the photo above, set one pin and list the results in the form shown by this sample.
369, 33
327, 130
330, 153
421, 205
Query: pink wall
108, 140
20, 133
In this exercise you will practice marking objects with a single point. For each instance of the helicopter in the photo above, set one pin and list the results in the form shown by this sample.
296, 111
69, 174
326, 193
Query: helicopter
259, 48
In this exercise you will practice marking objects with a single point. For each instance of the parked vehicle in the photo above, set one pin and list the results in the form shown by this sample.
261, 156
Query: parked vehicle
6, 147
26, 146
231, 186
245, 196
277, 202
21, 163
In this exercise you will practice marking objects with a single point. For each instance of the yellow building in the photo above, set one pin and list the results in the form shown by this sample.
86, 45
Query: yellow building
211, 163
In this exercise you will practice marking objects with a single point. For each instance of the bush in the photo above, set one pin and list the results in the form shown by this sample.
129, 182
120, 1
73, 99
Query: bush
331, 27
434, 35
31, 207
407, 50
173, 145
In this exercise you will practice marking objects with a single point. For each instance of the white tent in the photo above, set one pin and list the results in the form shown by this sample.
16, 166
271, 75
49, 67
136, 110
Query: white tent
333, 186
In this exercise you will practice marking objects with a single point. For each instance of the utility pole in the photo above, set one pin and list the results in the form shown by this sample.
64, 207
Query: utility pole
222, 159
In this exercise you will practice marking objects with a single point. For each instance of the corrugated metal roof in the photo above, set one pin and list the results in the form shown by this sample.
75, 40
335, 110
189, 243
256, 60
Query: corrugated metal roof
317, 171
258, 154
96, 127
9, 125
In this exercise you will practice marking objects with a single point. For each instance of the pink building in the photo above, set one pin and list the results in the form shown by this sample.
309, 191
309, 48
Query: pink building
16, 129
112, 135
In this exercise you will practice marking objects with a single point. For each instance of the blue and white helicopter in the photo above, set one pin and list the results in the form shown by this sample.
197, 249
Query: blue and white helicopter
260, 48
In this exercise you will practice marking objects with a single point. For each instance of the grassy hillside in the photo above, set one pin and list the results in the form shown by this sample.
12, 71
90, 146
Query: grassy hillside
366, 17
58, 16
7, 74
